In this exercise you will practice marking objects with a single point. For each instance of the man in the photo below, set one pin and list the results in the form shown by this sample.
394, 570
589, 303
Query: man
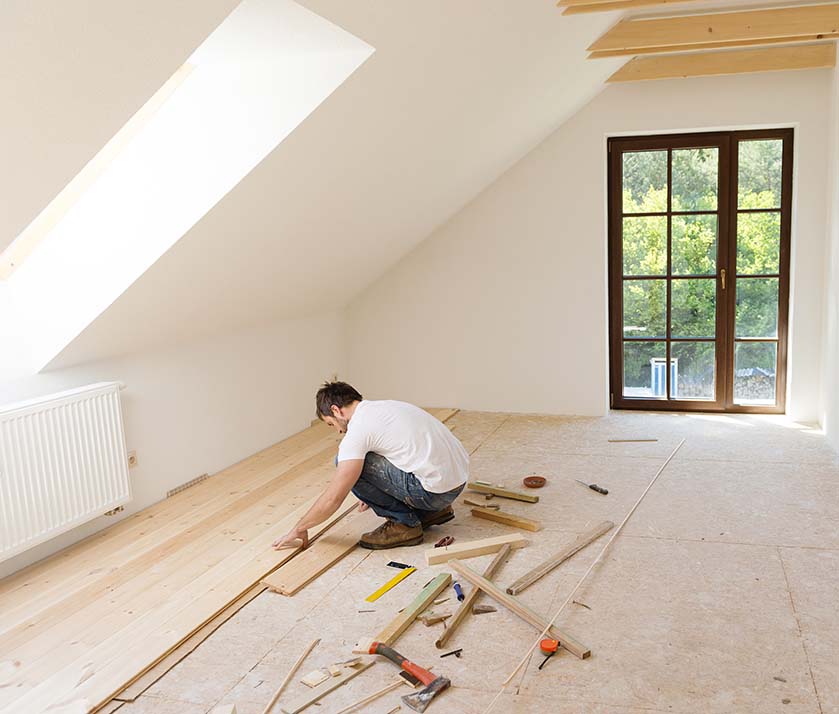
396, 459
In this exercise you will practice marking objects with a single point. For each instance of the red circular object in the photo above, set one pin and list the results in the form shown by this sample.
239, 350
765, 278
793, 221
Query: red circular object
535, 481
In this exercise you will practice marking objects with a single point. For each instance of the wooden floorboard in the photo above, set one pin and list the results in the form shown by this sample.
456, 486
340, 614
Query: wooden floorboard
82, 625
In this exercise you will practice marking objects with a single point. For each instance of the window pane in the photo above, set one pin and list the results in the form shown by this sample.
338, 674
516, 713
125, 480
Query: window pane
694, 366
757, 307
694, 245
754, 372
643, 369
694, 308
758, 243
644, 308
759, 174
645, 181
645, 245
695, 179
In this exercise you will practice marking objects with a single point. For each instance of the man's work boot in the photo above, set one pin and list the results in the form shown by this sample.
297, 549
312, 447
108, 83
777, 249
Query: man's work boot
391, 534
438, 517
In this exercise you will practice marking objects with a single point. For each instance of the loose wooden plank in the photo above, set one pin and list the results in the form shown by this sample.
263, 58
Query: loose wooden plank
526, 580
508, 519
524, 612
339, 542
502, 492
474, 548
403, 620
306, 701
706, 64
472, 597
788, 22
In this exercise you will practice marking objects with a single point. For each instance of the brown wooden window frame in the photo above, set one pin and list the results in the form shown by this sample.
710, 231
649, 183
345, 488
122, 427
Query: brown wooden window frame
727, 211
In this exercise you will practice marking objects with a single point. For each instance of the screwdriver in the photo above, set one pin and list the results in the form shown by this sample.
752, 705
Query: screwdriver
593, 487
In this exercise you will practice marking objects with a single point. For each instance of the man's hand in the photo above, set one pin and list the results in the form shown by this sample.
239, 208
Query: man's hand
287, 541
362, 506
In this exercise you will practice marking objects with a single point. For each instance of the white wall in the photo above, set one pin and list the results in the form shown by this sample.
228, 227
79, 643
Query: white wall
504, 307
201, 407
830, 360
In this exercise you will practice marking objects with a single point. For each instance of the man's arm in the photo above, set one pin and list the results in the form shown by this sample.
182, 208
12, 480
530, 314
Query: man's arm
328, 502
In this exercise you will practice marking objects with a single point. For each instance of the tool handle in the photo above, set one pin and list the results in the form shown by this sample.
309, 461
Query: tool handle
599, 489
423, 675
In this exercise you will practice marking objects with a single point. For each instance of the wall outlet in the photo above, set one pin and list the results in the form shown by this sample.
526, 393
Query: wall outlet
132, 459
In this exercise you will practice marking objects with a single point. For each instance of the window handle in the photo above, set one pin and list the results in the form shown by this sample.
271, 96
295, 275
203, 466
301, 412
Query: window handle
722, 276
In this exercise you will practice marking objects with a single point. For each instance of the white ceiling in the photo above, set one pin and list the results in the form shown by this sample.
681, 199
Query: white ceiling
71, 74
455, 93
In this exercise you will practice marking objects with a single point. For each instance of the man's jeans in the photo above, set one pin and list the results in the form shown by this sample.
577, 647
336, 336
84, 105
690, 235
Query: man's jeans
397, 495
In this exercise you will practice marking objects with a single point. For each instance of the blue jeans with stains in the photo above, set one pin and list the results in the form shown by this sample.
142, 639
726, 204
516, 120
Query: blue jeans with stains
397, 495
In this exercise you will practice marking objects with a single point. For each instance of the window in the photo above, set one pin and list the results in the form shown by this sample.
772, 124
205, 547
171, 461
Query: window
699, 238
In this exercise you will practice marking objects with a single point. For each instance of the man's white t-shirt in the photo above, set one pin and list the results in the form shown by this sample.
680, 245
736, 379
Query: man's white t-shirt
411, 439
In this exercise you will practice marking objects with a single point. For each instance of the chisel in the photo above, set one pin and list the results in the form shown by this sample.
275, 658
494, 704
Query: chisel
593, 487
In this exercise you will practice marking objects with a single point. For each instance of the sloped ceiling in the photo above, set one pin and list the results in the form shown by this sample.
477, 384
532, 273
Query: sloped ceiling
455, 93
72, 72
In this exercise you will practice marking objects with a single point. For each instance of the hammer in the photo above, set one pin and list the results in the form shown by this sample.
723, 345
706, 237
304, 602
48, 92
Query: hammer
433, 685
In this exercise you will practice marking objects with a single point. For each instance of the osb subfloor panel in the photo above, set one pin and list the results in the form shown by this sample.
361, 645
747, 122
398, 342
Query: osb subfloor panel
720, 596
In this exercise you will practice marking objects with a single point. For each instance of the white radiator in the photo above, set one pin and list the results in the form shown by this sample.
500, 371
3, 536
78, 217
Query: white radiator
62, 462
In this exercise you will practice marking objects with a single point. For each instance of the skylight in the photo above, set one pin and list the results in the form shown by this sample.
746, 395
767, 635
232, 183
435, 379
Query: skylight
246, 88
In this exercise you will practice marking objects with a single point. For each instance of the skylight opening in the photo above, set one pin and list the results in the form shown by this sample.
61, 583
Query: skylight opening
243, 91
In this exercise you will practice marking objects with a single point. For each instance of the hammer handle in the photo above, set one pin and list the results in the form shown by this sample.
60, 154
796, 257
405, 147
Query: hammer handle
422, 674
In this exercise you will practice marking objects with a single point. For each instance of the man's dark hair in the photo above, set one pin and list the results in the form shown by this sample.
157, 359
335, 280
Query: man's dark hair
338, 393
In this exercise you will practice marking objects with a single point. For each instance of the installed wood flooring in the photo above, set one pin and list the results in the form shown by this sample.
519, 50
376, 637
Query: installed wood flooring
77, 627
719, 597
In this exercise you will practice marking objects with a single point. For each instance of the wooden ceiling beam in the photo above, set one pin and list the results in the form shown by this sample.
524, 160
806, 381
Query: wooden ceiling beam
705, 64
705, 46
577, 7
697, 30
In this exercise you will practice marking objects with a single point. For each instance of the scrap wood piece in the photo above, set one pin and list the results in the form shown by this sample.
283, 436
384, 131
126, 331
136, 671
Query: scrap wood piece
304, 702
224, 709
372, 697
481, 487
511, 603
474, 548
290, 674
508, 519
403, 620
467, 604
526, 580
483, 609
315, 677
327, 550
493, 506
432, 618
